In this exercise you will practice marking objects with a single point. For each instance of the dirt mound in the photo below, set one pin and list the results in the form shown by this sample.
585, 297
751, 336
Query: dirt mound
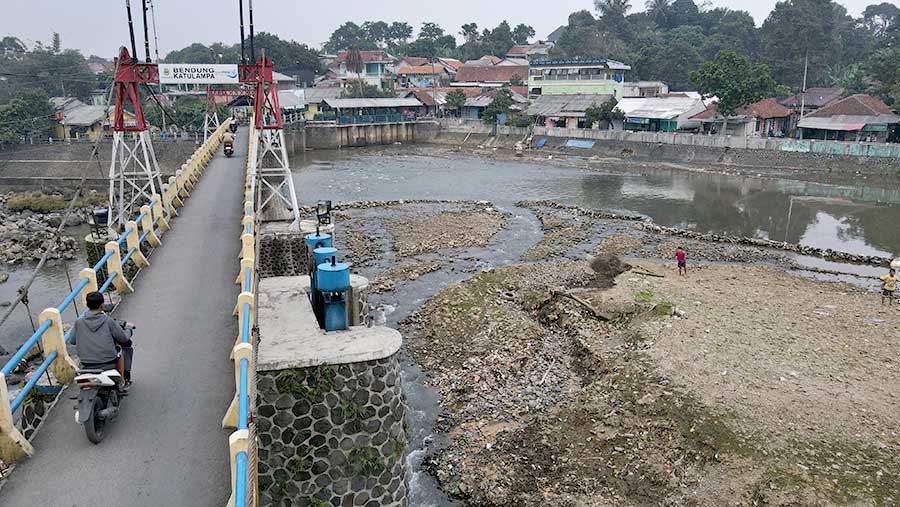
608, 266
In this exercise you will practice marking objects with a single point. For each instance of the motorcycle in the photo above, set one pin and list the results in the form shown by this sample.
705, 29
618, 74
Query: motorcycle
99, 396
228, 149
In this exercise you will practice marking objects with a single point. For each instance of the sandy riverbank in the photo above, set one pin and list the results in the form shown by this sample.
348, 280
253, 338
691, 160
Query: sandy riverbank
569, 384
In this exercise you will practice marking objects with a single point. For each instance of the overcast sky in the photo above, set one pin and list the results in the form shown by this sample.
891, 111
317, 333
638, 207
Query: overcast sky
101, 30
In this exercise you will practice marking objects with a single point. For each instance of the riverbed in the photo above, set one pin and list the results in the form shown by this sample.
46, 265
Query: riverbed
852, 219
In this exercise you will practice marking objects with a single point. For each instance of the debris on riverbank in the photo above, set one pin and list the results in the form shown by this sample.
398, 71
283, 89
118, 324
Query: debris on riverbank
26, 234
454, 229
616, 400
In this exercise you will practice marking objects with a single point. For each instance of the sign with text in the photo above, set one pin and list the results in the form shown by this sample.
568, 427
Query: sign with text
198, 73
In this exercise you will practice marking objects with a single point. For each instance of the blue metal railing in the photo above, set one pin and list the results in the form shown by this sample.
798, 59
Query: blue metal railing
240, 480
69, 299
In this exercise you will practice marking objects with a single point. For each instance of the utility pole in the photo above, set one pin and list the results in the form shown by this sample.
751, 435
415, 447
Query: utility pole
803, 90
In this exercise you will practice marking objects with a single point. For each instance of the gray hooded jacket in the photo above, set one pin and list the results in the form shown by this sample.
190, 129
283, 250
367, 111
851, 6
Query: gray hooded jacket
95, 338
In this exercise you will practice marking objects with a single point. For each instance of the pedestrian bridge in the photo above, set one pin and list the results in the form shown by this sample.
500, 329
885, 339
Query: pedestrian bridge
192, 366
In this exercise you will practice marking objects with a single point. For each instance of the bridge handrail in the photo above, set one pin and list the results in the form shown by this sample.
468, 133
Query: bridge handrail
238, 414
151, 222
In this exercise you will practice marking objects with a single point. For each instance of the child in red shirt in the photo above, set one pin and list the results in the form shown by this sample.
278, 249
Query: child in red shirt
682, 261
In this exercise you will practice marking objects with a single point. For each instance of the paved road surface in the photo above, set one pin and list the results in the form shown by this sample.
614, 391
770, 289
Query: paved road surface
167, 447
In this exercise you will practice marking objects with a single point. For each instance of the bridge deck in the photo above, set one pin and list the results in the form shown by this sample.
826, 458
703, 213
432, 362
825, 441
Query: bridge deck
167, 446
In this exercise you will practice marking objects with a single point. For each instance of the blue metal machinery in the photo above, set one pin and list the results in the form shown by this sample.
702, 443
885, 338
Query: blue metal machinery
314, 242
333, 283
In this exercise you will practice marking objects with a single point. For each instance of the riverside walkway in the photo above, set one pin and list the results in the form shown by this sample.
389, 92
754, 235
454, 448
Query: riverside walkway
167, 446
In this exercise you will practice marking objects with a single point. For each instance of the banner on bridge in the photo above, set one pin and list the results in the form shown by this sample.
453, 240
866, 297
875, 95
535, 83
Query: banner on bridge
197, 73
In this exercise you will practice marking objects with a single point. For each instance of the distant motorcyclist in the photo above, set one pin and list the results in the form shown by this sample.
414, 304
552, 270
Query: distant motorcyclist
103, 343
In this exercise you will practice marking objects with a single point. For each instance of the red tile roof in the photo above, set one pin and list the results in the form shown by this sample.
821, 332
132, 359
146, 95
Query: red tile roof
854, 105
814, 97
451, 62
765, 108
424, 69
495, 74
377, 55
414, 61
521, 90
519, 49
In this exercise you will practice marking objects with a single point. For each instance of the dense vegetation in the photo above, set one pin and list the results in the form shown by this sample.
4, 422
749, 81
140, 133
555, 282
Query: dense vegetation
672, 38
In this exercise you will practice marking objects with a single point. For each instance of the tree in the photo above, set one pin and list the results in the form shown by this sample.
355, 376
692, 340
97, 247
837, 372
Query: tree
581, 19
501, 104
344, 36
430, 31
11, 45
56, 45
359, 89
516, 80
605, 112
521, 33
399, 33
734, 80
881, 19
660, 11
470, 32
28, 114
455, 100
354, 61
612, 8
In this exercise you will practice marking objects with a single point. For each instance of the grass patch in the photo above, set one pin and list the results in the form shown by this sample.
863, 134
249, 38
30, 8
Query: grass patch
663, 309
308, 383
643, 296
366, 461
42, 203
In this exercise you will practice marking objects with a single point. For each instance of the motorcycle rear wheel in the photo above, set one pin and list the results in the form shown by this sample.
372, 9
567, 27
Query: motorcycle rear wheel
95, 427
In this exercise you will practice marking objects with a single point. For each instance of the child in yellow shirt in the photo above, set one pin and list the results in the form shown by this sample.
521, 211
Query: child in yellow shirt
888, 286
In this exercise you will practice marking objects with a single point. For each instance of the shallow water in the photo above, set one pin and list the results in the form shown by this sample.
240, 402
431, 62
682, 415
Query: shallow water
860, 220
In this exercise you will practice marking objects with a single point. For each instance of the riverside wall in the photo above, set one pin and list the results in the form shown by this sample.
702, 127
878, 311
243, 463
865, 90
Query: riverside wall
815, 156
329, 136
62, 165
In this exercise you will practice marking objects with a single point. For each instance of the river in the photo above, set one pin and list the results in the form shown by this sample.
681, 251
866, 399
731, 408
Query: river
859, 220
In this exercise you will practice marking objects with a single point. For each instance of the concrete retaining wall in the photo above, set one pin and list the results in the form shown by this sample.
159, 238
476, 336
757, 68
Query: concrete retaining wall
334, 433
72, 161
330, 137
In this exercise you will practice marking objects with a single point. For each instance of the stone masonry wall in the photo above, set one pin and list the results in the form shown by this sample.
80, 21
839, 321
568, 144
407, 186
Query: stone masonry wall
332, 435
281, 255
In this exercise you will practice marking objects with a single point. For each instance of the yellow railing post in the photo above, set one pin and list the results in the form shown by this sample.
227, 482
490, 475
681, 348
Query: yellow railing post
187, 177
63, 368
245, 222
114, 265
179, 181
13, 445
133, 241
174, 192
168, 202
91, 286
247, 247
147, 226
240, 351
238, 442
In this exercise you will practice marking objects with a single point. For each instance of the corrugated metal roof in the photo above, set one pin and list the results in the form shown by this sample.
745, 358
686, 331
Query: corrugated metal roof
84, 116
379, 102
553, 105
318, 94
847, 122
662, 108
291, 99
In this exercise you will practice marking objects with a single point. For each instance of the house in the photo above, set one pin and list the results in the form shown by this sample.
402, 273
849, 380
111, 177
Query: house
412, 61
493, 75
435, 99
564, 110
474, 106
76, 120
565, 77
378, 110
314, 99
645, 89
422, 76
101, 67
484, 61
813, 98
378, 67
529, 52
451, 65
858, 117
666, 113
766, 118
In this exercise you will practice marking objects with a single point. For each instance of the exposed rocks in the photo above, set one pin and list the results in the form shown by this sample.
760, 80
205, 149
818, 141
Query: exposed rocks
25, 235
446, 230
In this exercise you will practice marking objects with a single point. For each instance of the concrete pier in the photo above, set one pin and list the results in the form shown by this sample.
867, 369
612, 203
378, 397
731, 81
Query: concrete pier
330, 407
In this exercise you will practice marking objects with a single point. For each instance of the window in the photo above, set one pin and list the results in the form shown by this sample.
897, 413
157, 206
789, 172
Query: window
373, 69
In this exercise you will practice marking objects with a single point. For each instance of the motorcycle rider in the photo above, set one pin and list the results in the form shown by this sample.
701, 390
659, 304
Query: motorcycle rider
228, 138
98, 340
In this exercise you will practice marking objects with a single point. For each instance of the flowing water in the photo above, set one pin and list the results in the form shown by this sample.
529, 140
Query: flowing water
859, 220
